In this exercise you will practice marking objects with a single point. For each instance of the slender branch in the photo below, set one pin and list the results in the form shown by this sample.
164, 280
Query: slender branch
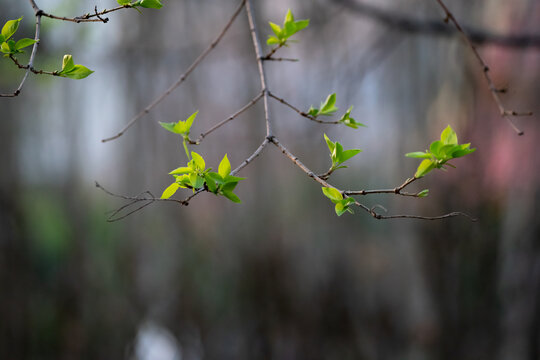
279, 59
300, 112
371, 211
396, 191
272, 52
89, 17
231, 117
38, 72
507, 114
410, 25
32, 55
260, 65
252, 157
182, 77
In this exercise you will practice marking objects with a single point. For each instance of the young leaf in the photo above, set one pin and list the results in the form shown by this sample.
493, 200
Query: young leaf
170, 190
347, 120
198, 160
67, 63
189, 121
181, 170
276, 29
231, 196
123, 2
168, 126
24, 43
331, 145
272, 40
72, 71
424, 167
419, 155
224, 167
332, 193
10, 28
152, 4
448, 136
423, 193
328, 106
216, 177
210, 183
347, 154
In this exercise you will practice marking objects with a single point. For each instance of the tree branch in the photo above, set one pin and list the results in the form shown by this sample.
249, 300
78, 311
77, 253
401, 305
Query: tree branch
182, 77
494, 91
300, 112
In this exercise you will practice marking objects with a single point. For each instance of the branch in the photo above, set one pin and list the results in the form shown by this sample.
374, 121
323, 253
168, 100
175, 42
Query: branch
494, 91
32, 55
397, 190
182, 77
410, 25
38, 72
260, 65
223, 122
300, 112
371, 211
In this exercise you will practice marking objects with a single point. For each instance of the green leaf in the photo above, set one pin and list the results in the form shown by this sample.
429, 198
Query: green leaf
424, 167
230, 178
198, 160
332, 193
232, 196
67, 63
423, 193
301, 24
272, 40
313, 111
77, 73
337, 152
210, 183
331, 145
448, 136
229, 186
21, 44
169, 191
168, 126
328, 107
435, 146
5, 48
216, 177
347, 154
10, 28
276, 29
347, 120
123, 2
419, 155
289, 16
224, 167
181, 170
189, 121
152, 4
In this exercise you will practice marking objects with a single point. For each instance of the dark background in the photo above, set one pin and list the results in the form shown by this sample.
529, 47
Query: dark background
278, 276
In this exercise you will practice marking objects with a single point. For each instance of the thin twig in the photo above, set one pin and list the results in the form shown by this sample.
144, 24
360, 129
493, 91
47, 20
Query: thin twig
300, 112
272, 52
371, 211
252, 157
182, 77
279, 59
88, 17
260, 66
38, 72
507, 114
231, 117
397, 190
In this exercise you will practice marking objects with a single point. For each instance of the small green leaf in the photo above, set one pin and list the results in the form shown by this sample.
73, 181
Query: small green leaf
276, 29
10, 28
67, 63
341, 208
347, 154
448, 136
224, 167
168, 126
424, 167
435, 146
328, 107
123, 2
210, 183
301, 24
216, 177
331, 145
189, 121
230, 178
152, 4
181, 170
419, 155
5, 48
332, 193
170, 190
272, 40
232, 196
198, 160
423, 193
313, 111
24, 43
77, 73
289, 16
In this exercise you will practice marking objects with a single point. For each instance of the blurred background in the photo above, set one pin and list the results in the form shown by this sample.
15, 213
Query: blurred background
279, 276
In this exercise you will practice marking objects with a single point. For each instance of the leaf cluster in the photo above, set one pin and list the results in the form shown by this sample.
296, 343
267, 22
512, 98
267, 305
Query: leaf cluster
8, 46
329, 108
440, 152
195, 176
289, 28
72, 70
338, 154
342, 204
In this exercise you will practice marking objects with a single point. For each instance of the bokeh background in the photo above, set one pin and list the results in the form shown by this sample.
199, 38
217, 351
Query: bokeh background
278, 276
